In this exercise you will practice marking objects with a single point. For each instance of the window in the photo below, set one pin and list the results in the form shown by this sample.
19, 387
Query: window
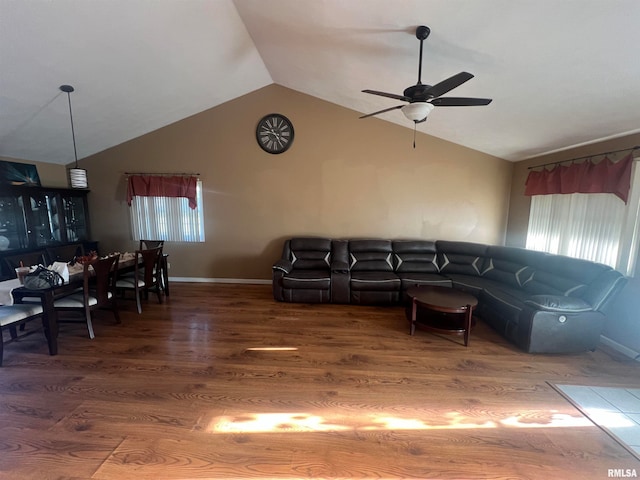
167, 218
593, 226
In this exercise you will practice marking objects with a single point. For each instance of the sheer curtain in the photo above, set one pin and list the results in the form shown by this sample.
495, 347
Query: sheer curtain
167, 218
579, 225
598, 226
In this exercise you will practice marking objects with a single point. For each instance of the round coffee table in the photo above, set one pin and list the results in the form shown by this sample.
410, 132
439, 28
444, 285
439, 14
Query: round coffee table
452, 303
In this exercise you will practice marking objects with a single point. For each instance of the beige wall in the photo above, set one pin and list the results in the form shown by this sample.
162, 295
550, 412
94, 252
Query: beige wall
343, 177
623, 325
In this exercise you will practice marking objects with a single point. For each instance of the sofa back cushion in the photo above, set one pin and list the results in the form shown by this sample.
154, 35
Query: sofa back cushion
512, 266
370, 255
463, 258
415, 256
573, 277
310, 253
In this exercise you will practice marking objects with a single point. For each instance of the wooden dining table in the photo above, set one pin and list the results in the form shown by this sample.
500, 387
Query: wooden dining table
48, 296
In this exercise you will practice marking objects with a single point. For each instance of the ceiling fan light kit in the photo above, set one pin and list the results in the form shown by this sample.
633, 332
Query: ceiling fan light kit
417, 112
423, 98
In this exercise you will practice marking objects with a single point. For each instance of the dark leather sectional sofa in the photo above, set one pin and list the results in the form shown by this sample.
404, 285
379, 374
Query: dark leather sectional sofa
543, 303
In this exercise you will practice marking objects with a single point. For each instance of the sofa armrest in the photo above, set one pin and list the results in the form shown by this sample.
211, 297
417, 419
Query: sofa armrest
339, 266
558, 303
283, 265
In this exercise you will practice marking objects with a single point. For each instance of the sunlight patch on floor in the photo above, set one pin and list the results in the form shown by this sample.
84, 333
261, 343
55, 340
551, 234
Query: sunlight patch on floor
271, 349
307, 422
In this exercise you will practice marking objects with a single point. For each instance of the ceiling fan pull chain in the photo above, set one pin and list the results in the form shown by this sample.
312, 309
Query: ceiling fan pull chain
415, 124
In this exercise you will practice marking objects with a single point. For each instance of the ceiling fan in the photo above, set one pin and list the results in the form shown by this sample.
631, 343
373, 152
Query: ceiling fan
424, 98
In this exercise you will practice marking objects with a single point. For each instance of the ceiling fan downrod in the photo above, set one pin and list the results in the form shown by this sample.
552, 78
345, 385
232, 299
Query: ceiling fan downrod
422, 32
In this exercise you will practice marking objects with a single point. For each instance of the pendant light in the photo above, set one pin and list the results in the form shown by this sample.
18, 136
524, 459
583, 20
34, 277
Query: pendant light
78, 176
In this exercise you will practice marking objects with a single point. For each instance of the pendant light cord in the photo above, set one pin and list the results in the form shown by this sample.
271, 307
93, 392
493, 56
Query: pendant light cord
73, 132
68, 89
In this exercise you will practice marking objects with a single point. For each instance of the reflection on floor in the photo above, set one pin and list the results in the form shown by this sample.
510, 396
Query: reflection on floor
615, 410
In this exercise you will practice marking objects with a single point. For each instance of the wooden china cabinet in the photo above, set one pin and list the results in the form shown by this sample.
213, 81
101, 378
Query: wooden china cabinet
33, 218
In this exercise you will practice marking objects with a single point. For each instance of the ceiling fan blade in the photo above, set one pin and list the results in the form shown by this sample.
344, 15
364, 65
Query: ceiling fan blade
382, 111
460, 101
448, 84
388, 95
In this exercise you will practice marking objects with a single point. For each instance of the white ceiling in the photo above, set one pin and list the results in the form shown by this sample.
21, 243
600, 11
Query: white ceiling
561, 72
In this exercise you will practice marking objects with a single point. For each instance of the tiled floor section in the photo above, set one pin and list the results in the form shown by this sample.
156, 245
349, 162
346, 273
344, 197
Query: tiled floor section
617, 410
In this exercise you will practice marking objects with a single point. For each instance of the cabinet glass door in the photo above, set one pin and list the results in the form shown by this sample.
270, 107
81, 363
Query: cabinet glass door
75, 218
45, 219
13, 229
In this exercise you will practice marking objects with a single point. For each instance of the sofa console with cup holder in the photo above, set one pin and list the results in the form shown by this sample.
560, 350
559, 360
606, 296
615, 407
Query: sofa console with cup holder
541, 302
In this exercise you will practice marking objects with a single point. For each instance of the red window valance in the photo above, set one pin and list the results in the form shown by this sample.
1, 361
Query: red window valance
586, 177
162, 186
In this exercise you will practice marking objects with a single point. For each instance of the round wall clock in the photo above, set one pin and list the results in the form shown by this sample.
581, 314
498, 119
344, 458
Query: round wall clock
274, 133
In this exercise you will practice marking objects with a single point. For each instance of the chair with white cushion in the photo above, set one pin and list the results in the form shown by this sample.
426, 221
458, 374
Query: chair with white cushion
98, 291
145, 277
12, 316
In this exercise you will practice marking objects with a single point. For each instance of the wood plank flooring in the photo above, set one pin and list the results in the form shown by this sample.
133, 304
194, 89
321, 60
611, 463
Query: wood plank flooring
222, 382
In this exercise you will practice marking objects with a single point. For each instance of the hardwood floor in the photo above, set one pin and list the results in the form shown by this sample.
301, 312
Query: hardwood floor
221, 382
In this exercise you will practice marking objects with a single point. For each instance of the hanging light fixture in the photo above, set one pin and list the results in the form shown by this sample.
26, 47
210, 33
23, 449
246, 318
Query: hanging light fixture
78, 176
417, 111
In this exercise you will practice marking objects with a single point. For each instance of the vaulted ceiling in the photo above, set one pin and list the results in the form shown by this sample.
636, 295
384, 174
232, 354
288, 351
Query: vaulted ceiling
561, 73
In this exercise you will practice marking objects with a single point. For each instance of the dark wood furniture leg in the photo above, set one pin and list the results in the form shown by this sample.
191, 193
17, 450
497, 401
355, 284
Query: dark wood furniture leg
467, 324
165, 274
50, 321
414, 312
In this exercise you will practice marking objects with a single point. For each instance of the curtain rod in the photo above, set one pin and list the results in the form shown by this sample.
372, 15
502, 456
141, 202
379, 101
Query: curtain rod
586, 156
163, 174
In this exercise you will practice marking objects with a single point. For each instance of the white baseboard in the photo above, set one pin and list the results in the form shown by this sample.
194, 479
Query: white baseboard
626, 351
250, 281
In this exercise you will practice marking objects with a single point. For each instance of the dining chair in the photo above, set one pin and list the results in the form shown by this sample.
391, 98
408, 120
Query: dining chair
15, 315
145, 277
164, 279
26, 259
146, 244
64, 253
98, 291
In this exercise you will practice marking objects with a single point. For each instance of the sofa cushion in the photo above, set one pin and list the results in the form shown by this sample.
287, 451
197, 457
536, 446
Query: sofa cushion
469, 283
412, 279
415, 256
560, 275
307, 279
310, 253
509, 302
283, 265
512, 266
545, 283
375, 281
463, 258
370, 255
558, 303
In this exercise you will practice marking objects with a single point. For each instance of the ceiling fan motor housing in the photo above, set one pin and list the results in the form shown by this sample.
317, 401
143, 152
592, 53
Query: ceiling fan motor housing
417, 93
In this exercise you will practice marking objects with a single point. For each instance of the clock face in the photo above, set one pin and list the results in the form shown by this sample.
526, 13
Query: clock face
274, 133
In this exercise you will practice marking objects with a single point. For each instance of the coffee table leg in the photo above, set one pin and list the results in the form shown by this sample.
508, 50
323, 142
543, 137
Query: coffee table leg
467, 325
414, 310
